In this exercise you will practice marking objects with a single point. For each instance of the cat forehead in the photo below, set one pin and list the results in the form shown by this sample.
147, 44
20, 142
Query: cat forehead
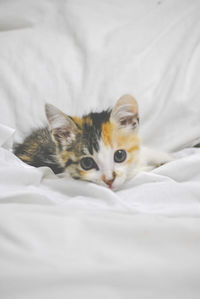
90, 131
96, 130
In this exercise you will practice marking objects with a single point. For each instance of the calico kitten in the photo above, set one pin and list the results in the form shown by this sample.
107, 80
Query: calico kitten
103, 148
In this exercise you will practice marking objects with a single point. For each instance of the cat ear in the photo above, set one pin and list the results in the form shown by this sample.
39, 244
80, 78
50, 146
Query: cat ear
125, 112
62, 127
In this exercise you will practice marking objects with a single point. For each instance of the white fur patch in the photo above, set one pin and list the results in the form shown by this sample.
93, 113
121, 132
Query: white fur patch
106, 164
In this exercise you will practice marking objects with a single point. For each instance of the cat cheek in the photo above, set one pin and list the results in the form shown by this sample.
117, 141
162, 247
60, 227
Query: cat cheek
121, 175
90, 175
118, 183
119, 172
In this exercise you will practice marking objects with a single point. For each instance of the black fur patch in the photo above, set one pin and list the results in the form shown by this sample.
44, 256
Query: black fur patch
92, 133
70, 162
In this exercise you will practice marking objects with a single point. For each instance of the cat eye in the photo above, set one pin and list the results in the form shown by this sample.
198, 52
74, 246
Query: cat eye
120, 156
88, 163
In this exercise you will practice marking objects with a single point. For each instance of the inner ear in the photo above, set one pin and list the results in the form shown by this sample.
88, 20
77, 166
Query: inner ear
62, 127
125, 112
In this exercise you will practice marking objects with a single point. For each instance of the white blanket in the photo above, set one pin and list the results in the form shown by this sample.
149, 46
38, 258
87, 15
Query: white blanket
61, 238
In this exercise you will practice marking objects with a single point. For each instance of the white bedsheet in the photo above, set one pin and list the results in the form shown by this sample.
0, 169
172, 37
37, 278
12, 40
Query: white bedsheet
61, 238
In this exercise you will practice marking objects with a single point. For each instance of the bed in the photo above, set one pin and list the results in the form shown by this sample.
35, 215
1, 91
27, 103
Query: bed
62, 238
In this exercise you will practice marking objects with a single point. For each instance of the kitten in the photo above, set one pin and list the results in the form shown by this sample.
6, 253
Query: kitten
103, 148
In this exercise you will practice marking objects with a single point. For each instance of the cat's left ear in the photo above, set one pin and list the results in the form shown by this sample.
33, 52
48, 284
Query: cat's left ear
125, 113
62, 127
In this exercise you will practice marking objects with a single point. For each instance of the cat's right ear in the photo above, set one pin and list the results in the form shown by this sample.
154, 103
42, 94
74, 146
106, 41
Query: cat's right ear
125, 113
62, 127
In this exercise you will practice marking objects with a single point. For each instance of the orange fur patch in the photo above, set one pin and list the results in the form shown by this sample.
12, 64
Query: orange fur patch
126, 141
88, 120
78, 121
81, 121
25, 158
107, 133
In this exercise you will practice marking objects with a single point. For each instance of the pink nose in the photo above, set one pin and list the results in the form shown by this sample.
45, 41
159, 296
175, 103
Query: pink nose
109, 181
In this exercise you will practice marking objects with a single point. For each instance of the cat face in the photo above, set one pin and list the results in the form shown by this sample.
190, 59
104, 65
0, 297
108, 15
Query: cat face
100, 147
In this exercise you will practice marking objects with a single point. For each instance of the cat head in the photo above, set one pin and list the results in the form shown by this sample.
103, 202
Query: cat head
99, 147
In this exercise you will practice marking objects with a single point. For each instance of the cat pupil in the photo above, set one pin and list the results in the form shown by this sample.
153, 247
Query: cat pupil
119, 156
88, 163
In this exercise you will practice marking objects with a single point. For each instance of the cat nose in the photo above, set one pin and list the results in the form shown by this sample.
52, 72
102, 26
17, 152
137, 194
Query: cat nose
107, 180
